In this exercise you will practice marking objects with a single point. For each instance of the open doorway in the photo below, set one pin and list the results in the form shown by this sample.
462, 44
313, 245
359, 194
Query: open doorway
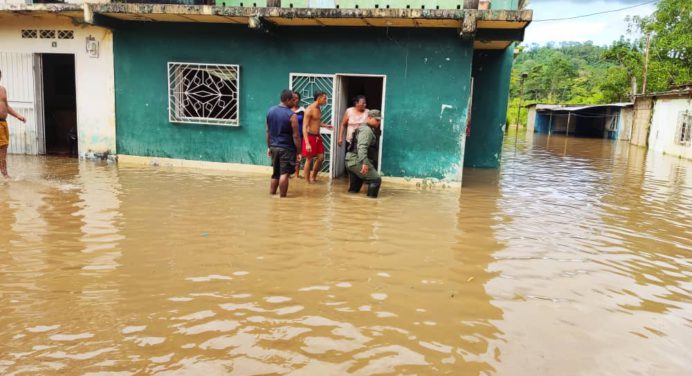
347, 88
59, 104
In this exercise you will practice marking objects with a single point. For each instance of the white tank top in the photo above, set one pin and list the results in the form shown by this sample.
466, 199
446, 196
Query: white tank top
355, 119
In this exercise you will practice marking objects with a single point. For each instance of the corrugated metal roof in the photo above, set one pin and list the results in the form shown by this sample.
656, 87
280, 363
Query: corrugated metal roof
681, 91
578, 107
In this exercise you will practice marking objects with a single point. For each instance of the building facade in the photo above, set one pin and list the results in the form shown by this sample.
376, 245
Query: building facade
59, 75
670, 130
193, 83
611, 121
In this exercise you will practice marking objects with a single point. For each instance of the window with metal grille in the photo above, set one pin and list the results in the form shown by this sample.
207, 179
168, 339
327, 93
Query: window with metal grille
65, 34
30, 34
203, 93
47, 34
683, 136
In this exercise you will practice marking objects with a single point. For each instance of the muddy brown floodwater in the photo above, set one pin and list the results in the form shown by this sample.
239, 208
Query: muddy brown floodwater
572, 259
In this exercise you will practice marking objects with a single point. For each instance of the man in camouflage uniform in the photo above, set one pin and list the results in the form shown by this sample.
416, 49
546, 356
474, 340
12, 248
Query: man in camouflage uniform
361, 156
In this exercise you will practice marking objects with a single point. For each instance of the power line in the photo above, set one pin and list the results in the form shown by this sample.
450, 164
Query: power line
597, 13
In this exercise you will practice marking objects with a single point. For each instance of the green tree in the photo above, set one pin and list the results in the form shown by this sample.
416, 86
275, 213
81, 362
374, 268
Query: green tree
670, 28
626, 63
582, 73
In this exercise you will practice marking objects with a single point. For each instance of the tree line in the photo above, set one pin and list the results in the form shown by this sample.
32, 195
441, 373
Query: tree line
584, 73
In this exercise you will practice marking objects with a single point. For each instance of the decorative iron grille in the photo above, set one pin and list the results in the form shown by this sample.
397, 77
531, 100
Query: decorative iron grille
47, 34
30, 34
65, 34
203, 93
306, 85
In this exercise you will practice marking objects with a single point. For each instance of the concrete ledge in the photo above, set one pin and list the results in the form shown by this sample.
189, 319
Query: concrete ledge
133, 160
184, 163
40, 8
448, 14
366, 17
75, 12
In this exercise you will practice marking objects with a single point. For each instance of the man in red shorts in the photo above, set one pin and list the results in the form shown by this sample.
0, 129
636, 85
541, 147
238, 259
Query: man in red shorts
313, 149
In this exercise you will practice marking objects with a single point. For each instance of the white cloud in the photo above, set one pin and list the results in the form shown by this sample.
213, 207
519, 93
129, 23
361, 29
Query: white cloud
601, 29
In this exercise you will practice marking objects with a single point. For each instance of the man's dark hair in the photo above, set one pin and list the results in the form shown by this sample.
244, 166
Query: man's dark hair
298, 94
318, 94
358, 98
286, 95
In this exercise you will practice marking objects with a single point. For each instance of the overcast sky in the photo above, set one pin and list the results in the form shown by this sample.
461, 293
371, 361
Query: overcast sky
601, 29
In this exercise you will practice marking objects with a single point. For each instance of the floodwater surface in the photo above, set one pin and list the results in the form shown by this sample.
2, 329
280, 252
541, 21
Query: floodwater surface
573, 259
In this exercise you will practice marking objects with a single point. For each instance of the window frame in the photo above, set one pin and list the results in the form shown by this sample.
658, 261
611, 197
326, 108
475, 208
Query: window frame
683, 135
176, 113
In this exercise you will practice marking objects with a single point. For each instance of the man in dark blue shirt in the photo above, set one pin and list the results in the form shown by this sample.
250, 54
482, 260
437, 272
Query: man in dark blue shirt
283, 141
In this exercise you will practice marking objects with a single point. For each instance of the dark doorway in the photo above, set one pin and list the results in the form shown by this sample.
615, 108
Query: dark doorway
370, 87
60, 104
349, 87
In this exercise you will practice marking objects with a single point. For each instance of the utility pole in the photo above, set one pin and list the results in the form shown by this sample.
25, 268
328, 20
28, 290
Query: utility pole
521, 96
646, 61
521, 100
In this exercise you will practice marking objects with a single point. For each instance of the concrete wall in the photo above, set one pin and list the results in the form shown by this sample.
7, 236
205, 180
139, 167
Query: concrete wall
625, 127
491, 73
94, 78
531, 120
428, 74
641, 121
664, 126
558, 124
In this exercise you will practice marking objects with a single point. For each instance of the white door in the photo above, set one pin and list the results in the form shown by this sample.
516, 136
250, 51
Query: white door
306, 85
18, 78
341, 103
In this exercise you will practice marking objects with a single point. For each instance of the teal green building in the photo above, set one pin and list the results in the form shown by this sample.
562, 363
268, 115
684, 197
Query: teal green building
195, 83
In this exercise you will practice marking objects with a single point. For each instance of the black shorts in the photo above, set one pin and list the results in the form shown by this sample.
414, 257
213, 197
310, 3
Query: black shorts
283, 161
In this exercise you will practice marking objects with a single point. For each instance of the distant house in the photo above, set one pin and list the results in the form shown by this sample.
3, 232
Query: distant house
611, 121
663, 121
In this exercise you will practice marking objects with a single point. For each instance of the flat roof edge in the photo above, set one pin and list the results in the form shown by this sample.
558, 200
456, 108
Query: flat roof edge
443, 14
42, 8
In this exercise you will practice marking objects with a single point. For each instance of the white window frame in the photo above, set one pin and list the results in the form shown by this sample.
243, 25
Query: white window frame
686, 138
176, 94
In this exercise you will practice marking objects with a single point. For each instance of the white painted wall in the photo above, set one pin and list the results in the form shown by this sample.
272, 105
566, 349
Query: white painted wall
17, 78
664, 126
94, 76
531, 120
625, 127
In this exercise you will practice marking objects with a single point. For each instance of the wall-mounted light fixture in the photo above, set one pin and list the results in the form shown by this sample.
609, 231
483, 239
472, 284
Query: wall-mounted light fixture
92, 47
254, 22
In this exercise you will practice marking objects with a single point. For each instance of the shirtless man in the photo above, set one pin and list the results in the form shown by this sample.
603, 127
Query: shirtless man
313, 149
5, 109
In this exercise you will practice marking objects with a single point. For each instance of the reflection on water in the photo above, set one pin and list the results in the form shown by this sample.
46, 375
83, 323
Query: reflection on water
573, 258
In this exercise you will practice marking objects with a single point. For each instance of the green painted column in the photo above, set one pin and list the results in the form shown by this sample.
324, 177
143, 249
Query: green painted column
491, 72
504, 4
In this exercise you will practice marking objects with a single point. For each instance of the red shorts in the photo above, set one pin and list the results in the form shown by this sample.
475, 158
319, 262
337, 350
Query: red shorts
315, 143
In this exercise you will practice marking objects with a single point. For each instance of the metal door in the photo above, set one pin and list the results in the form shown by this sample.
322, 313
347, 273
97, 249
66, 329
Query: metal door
18, 78
306, 85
